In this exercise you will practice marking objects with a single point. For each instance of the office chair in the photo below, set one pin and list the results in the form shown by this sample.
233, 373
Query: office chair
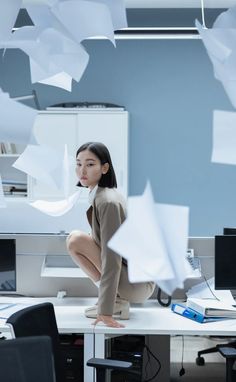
40, 320
27, 359
230, 354
101, 365
200, 361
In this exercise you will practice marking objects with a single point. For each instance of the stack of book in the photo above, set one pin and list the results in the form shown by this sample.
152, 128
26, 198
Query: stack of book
205, 310
14, 188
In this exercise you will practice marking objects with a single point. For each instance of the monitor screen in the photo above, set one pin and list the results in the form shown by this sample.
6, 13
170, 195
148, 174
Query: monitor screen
7, 265
225, 262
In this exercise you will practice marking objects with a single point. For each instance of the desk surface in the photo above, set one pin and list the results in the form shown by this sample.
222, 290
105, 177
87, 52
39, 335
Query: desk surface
147, 319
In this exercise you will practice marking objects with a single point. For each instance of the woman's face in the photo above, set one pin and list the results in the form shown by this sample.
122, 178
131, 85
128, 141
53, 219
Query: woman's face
89, 169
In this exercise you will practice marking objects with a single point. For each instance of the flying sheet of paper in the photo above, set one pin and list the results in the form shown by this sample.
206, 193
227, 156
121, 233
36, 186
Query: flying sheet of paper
224, 137
226, 19
65, 54
61, 80
16, 122
206, 289
155, 245
54, 58
93, 19
221, 48
56, 208
118, 12
8, 14
2, 197
40, 13
41, 162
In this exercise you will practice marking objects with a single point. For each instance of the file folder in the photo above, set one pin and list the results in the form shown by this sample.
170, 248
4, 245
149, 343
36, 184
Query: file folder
192, 314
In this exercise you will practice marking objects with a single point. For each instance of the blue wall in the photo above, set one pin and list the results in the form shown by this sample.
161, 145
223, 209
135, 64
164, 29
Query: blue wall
170, 92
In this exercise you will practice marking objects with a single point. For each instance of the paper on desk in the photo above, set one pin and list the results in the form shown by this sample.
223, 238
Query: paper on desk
56, 208
16, 122
202, 290
224, 137
155, 244
2, 197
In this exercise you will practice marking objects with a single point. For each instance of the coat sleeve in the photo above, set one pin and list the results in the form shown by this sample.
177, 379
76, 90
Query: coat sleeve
110, 221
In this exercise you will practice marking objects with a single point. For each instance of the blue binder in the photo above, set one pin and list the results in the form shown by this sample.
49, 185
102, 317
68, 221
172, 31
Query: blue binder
192, 314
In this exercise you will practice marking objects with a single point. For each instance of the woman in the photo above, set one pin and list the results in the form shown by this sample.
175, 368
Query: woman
107, 212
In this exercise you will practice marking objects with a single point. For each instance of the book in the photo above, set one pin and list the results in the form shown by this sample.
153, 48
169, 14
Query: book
211, 307
192, 314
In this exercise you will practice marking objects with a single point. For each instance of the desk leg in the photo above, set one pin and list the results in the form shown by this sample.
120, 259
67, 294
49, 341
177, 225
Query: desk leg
100, 346
89, 374
160, 347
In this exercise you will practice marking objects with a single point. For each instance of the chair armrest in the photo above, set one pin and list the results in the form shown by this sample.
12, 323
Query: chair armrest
101, 363
227, 352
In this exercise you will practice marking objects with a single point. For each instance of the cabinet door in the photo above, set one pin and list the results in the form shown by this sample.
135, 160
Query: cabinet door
110, 128
55, 130
75, 128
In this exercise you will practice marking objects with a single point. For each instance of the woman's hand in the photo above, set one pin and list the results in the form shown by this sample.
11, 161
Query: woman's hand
108, 321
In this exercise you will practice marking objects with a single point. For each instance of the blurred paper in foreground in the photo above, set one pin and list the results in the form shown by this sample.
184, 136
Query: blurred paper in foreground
154, 240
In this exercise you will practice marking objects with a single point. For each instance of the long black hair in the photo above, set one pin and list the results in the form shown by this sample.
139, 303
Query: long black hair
102, 153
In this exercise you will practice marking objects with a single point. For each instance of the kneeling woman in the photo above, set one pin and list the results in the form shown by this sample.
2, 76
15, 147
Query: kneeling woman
107, 212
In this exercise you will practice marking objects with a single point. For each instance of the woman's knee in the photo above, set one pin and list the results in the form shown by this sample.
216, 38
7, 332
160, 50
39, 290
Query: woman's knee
75, 240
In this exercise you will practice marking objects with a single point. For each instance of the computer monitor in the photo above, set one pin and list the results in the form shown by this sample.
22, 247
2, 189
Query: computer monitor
7, 265
229, 231
225, 262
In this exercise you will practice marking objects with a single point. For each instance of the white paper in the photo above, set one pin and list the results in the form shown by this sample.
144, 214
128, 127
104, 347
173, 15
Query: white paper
155, 244
9, 10
40, 14
118, 12
226, 19
2, 197
61, 80
93, 19
42, 163
65, 54
16, 121
54, 58
56, 208
220, 43
207, 290
224, 137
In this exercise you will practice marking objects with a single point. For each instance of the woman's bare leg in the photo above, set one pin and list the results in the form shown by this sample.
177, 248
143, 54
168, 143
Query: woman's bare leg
85, 253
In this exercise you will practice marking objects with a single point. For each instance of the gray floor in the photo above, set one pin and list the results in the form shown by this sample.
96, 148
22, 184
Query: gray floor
210, 372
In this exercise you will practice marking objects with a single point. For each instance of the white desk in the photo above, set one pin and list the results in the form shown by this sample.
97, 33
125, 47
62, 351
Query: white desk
160, 323
149, 319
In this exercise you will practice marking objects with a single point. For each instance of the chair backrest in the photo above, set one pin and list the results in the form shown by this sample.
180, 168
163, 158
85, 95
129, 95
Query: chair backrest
26, 360
40, 320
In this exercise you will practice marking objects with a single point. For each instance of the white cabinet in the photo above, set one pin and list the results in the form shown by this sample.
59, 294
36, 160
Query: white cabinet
75, 127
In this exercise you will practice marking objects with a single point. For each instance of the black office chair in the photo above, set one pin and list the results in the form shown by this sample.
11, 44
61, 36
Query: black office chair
200, 361
40, 320
230, 354
26, 360
102, 365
